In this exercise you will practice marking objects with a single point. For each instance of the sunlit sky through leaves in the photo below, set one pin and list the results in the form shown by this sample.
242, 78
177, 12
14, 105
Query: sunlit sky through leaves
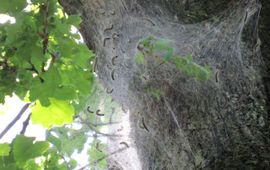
12, 106
8, 112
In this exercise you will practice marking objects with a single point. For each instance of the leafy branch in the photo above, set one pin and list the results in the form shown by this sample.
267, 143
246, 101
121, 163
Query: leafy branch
41, 61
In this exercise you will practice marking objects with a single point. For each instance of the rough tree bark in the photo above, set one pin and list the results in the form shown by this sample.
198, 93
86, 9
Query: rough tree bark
220, 124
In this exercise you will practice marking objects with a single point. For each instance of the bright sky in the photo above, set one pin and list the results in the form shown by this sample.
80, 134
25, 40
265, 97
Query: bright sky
12, 106
8, 112
4, 18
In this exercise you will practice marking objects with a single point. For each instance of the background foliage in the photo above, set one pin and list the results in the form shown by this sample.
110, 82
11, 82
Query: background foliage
46, 64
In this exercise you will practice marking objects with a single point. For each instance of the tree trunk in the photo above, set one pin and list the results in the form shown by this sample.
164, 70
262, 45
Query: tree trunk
219, 124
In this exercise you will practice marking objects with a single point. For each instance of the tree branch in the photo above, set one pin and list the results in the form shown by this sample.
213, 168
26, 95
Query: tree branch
14, 120
101, 133
103, 157
97, 124
25, 124
33, 68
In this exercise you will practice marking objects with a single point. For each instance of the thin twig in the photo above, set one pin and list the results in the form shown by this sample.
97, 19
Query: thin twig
103, 157
97, 124
45, 29
14, 120
45, 41
25, 124
101, 133
33, 68
105, 134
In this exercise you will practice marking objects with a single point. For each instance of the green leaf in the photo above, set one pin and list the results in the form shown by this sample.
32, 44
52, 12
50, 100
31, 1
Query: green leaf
12, 33
73, 76
189, 57
68, 140
55, 141
25, 149
43, 91
179, 62
36, 1
37, 58
65, 93
4, 149
9, 166
164, 46
73, 163
139, 58
82, 56
53, 161
59, 112
62, 28
192, 69
96, 152
74, 20
32, 165
12, 6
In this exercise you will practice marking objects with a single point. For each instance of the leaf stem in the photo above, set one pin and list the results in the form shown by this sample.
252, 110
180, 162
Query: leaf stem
33, 68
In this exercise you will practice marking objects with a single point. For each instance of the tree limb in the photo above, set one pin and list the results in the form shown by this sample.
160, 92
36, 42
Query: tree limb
25, 124
14, 120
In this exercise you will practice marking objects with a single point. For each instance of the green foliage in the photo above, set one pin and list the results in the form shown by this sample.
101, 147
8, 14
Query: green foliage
58, 112
96, 152
54, 161
139, 58
43, 62
40, 56
4, 149
23, 153
152, 46
25, 149
192, 69
12, 6
162, 51
67, 140
28, 154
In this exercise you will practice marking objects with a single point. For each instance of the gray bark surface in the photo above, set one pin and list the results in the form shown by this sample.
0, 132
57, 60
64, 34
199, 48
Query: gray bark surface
219, 124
